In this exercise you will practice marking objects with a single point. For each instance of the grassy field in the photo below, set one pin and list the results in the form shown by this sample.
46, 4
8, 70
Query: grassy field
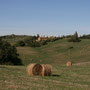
76, 77
57, 53
64, 78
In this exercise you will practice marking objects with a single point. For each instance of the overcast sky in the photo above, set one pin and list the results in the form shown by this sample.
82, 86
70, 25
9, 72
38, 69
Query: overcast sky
44, 17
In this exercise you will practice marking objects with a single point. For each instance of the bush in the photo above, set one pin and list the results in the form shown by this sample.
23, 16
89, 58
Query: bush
8, 54
43, 42
71, 47
74, 38
31, 41
85, 37
20, 43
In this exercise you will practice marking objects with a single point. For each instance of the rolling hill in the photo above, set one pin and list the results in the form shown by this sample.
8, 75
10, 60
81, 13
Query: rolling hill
75, 77
57, 53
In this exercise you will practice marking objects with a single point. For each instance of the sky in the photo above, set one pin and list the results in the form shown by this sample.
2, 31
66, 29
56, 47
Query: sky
44, 17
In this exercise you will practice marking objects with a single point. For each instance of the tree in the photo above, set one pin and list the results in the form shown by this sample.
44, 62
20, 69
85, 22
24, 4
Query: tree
8, 54
20, 43
38, 35
31, 41
74, 38
43, 42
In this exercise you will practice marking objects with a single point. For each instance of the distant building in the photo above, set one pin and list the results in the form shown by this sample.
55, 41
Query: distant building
51, 37
41, 38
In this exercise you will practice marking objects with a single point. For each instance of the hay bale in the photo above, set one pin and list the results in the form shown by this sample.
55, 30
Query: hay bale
31, 59
47, 70
69, 63
40, 60
34, 69
38, 69
38, 56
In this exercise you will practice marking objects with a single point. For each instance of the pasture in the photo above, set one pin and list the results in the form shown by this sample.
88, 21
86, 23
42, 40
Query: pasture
64, 78
75, 77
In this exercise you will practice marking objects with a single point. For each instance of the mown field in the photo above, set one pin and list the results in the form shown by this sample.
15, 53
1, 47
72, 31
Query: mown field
64, 78
75, 77
56, 53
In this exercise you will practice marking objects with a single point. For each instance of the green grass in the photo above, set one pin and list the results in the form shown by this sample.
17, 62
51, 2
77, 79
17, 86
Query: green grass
57, 54
67, 78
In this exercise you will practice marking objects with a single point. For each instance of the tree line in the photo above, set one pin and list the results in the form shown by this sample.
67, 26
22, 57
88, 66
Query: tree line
8, 52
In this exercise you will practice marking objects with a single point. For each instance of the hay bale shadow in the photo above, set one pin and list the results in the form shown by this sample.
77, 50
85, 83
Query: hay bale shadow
55, 75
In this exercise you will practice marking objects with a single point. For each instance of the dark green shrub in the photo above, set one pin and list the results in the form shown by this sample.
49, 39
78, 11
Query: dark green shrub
74, 38
20, 43
8, 54
71, 47
43, 42
31, 41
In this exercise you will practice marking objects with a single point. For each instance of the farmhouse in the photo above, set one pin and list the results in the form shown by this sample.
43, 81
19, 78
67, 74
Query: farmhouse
51, 37
41, 38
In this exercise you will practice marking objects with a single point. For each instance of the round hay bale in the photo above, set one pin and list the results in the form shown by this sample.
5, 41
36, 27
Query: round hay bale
69, 63
38, 56
31, 59
38, 69
40, 60
47, 70
34, 69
